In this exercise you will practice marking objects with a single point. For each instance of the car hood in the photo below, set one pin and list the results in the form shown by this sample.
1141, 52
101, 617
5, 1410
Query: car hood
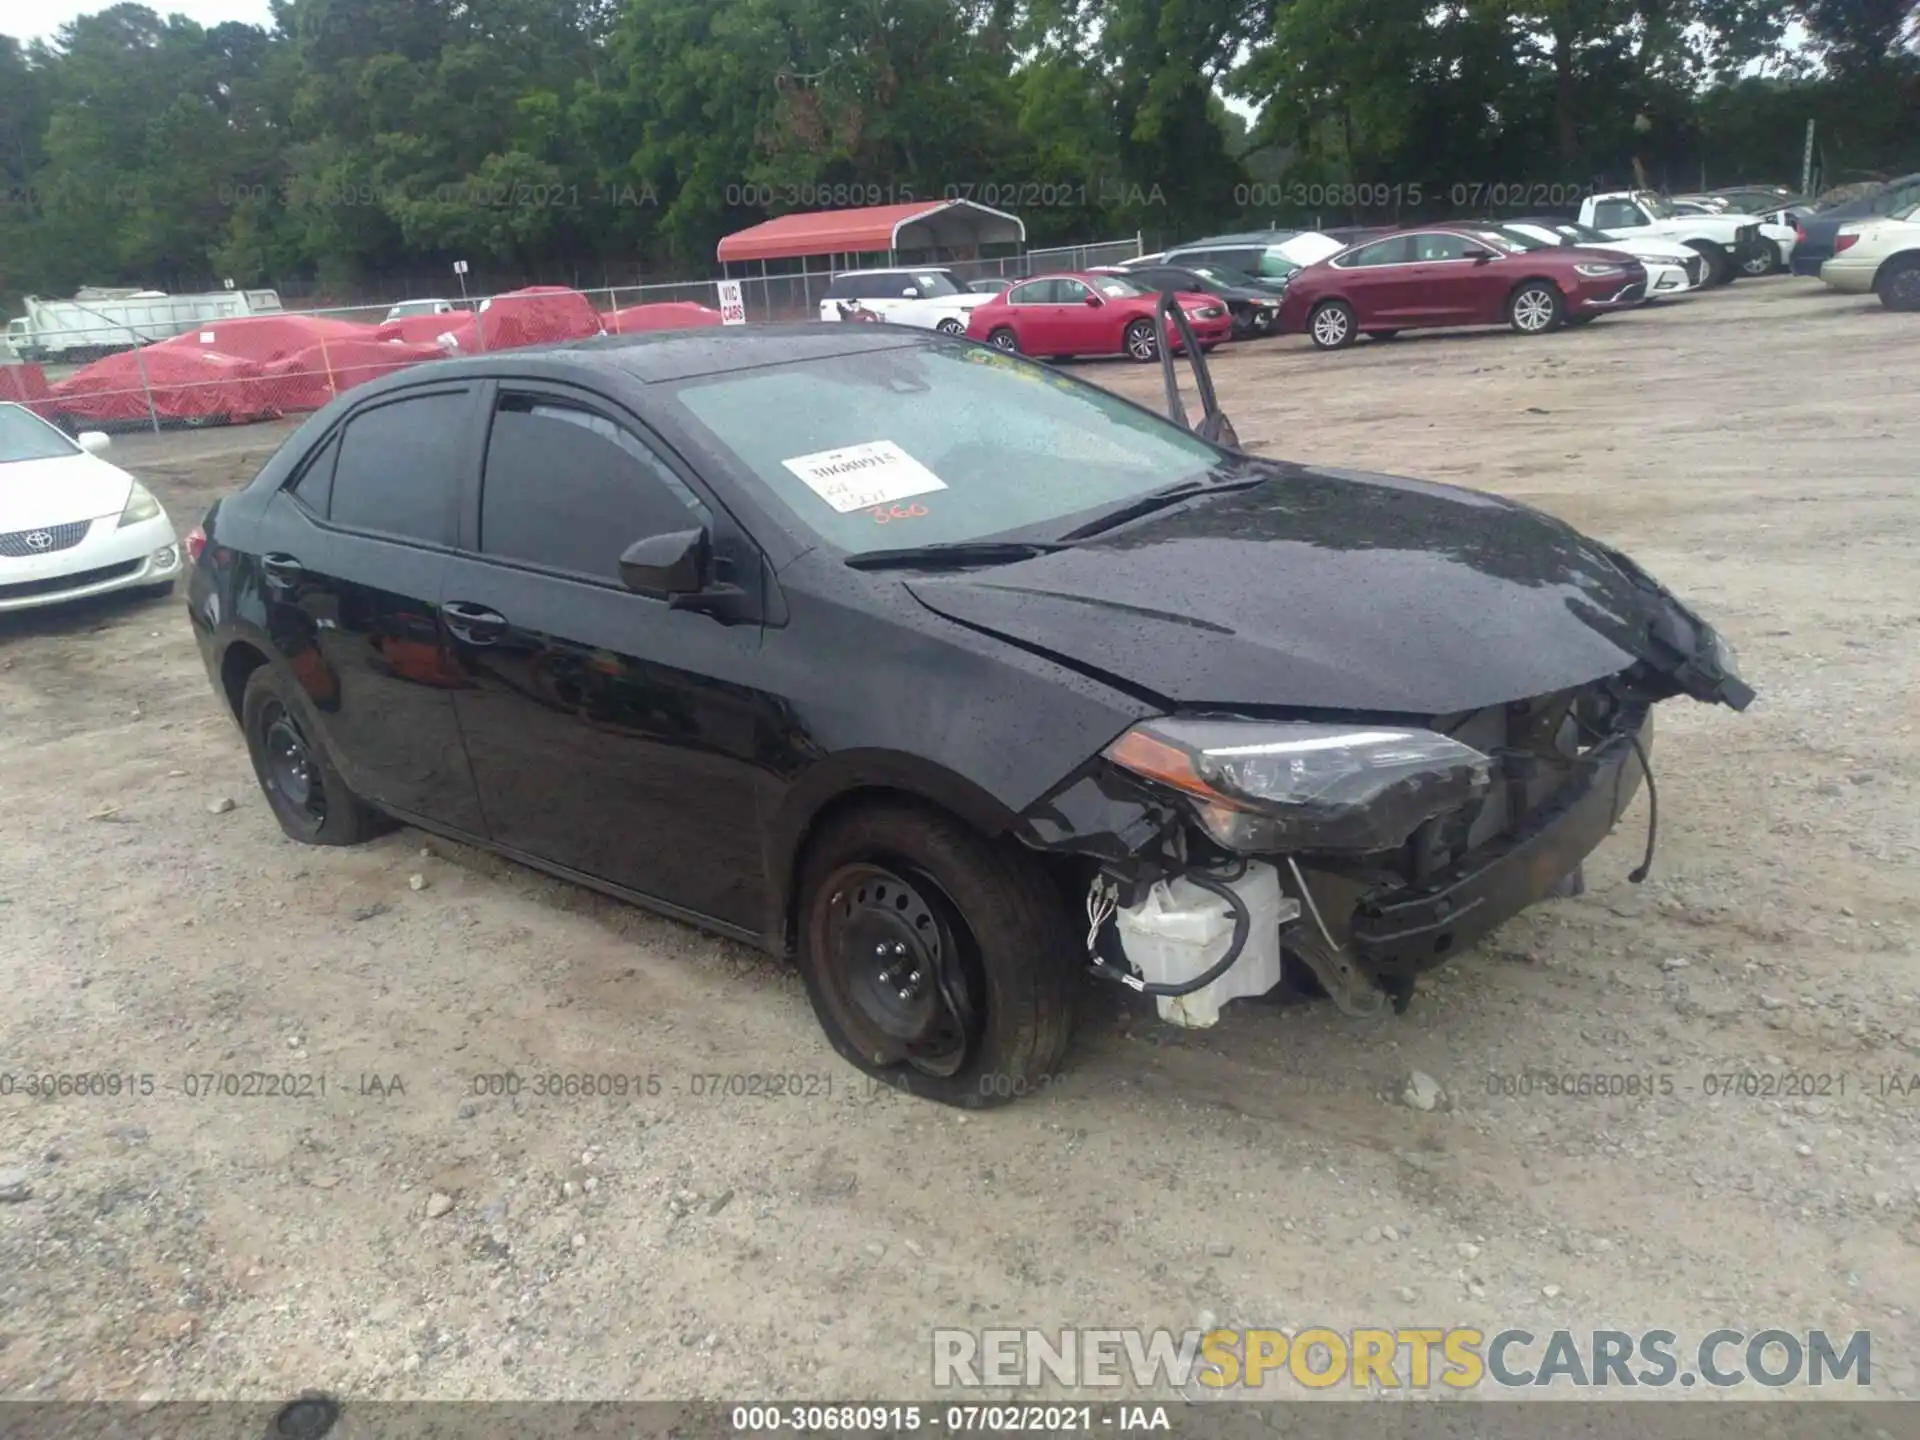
1322, 590
65, 488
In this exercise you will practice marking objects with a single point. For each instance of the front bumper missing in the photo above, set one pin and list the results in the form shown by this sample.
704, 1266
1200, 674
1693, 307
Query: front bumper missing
1397, 933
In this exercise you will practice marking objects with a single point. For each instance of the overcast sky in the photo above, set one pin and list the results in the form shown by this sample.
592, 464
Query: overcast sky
38, 19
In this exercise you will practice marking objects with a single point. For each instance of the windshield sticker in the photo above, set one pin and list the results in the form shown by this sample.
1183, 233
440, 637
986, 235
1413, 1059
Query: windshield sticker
859, 477
887, 514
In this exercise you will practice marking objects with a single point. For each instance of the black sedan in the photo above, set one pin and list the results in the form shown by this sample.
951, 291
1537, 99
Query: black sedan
1253, 302
952, 676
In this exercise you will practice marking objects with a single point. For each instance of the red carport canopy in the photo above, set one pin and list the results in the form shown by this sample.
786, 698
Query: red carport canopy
870, 229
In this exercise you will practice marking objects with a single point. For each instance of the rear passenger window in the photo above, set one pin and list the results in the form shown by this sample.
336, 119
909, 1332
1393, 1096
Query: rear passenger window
569, 489
314, 487
398, 470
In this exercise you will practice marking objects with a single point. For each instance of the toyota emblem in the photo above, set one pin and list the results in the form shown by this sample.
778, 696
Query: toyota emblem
39, 540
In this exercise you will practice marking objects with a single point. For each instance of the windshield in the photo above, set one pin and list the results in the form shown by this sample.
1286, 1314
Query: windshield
931, 445
415, 307
1657, 208
936, 282
1526, 239
1227, 275
25, 436
1503, 242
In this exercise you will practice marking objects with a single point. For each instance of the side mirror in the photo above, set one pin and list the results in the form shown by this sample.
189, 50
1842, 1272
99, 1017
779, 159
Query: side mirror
910, 293
1481, 257
1093, 300
94, 442
663, 566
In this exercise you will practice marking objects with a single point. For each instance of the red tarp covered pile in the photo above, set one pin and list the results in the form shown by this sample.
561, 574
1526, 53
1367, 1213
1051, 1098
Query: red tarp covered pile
538, 315
191, 385
28, 385
266, 337
260, 366
309, 378
663, 315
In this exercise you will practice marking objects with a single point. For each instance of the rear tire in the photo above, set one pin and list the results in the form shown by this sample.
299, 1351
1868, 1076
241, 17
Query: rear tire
1765, 262
307, 795
1536, 307
1331, 325
1005, 339
1898, 283
951, 327
937, 960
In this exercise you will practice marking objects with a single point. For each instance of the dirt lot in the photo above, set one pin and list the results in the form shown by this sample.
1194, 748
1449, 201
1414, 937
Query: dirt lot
1748, 447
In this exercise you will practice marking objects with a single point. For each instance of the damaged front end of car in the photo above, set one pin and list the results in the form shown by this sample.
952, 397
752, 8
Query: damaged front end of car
1215, 847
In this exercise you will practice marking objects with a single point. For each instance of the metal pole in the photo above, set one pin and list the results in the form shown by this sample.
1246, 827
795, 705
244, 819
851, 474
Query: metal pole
327, 360
140, 359
1806, 163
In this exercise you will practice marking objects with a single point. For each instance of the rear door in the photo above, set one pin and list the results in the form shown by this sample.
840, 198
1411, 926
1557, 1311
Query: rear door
1373, 277
608, 732
361, 563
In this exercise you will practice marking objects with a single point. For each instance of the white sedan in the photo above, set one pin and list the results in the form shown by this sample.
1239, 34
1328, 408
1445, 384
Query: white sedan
1879, 256
1672, 268
72, 525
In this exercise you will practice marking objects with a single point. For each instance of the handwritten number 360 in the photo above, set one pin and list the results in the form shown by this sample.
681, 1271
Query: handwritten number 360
886, 514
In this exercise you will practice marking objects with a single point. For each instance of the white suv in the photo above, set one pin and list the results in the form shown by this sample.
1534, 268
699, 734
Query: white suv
929, 297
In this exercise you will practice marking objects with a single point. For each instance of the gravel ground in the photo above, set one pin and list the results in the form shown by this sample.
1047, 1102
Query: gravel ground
401, 1235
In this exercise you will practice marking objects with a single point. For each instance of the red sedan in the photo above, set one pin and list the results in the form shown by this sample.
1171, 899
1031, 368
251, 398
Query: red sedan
1064, 315
1420, 279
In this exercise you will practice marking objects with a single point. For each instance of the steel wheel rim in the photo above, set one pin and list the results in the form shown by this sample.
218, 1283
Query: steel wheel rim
1533, 310
292, 770
1904, 285
1330, 326
1140, 342
901, 967
1759, 265
1003, 340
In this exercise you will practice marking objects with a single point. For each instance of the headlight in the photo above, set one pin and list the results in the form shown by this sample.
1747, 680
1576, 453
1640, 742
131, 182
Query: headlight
1258, 787
1207, 312
140, 505
1595, 270
1722, 652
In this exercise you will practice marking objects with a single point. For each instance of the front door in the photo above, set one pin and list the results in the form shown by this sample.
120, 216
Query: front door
608, 732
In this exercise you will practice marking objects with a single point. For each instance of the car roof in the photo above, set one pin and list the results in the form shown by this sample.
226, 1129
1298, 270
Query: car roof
652, 357
894, 270
1241, 237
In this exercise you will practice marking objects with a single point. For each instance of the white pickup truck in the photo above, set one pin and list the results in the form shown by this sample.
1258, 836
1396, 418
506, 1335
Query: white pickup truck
1732, 245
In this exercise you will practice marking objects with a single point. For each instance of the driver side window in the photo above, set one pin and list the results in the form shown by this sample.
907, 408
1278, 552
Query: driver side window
1070, 292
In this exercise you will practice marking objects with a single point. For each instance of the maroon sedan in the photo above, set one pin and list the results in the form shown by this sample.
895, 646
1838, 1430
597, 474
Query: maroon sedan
1084, 313
1446, 275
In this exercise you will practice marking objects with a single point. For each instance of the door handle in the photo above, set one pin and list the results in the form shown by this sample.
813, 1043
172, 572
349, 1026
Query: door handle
474, 624
281, 570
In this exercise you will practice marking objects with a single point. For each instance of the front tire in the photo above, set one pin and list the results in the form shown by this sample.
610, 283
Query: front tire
1535, 308
1765, 262
1141, 341
307, 795
937, 960
1719, 264
1331, 325
1898, 283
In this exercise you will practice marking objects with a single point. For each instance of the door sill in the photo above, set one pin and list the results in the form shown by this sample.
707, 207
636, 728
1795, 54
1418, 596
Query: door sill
644, 901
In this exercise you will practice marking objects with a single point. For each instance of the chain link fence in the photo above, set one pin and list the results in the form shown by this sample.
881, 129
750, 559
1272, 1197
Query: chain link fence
255, 361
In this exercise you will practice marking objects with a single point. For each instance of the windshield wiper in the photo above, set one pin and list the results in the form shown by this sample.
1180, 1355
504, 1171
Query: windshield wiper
1153, 500
941, 553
